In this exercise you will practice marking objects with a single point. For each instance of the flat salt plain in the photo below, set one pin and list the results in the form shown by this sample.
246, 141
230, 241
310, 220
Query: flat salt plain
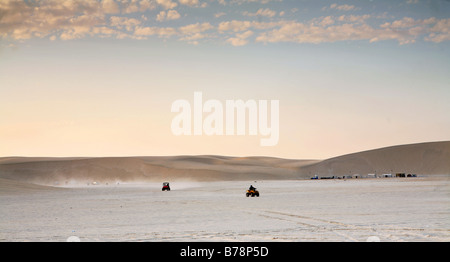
392, 209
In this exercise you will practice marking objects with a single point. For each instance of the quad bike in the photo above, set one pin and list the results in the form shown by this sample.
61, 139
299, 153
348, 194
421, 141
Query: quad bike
166, 186
252, 193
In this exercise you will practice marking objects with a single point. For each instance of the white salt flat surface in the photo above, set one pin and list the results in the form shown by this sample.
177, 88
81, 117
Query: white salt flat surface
391, 209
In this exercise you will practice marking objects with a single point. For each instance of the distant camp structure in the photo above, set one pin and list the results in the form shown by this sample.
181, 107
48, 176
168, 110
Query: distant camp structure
372, 175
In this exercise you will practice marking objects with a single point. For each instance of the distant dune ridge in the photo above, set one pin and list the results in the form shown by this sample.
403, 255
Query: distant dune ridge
422, 159
431, 158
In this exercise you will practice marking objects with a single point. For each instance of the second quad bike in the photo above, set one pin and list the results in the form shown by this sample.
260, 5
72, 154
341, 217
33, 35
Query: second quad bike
166, 186
252, 193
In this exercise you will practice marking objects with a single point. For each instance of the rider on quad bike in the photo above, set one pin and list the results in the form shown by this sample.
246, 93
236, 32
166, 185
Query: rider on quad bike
252, 192
166, 186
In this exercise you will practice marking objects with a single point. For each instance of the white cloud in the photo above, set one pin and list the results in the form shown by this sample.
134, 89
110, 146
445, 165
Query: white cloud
108, 32
124, 22
194, 32
240, 39
110, 7
68, 19
146, 5
167, 4
404, 31
404, 22
161, 16
145, 31
238, 26
172, 15
235, 41
133, 6
440, 31
327, 21
261, 12
73, 19
188, 33
234, 25
240, 2
189, 2
169, 15
217, 15
353, 18
344, 7
195, 28
158, 31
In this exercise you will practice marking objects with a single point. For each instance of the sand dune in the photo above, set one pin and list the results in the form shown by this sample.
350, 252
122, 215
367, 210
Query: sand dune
13, 187
422, 159
61, 171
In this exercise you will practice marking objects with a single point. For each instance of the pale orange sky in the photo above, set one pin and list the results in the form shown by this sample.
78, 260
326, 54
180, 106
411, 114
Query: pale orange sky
87, 91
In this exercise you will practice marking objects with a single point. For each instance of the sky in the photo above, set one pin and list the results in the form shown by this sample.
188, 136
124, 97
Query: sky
98, 77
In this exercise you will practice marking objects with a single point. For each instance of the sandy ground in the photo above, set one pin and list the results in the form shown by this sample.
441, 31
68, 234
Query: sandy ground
391, 209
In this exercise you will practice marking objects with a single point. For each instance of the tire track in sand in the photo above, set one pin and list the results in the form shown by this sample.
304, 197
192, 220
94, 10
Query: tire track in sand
335, 227
385, 232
